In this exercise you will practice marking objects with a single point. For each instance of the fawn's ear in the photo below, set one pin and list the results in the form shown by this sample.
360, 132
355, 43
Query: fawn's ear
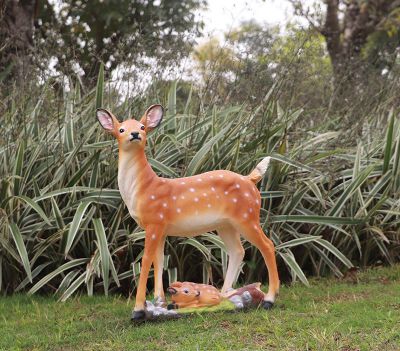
107, 120
152, 117
176, 285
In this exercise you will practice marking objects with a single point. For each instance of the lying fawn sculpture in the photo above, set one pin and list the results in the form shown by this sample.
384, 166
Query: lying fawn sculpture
187, 294
218, 200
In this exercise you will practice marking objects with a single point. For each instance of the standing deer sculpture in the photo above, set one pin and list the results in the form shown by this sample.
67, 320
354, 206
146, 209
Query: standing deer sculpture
221, 200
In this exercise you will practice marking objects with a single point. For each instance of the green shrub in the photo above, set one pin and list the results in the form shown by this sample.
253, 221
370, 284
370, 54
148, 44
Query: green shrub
63, 224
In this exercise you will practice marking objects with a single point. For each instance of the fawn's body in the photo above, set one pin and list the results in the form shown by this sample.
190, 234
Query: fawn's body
219, 200
188, 294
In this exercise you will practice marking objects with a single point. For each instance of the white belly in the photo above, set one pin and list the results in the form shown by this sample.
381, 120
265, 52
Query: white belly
195, 225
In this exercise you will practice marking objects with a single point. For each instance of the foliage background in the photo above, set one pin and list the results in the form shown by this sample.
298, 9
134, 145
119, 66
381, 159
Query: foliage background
330, 200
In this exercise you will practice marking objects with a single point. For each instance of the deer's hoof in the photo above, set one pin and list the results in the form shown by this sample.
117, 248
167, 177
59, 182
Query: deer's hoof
160, 302
138, 316
267, 305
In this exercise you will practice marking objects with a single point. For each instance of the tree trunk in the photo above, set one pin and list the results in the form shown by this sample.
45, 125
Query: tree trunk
346, 38
16, 37
332, 32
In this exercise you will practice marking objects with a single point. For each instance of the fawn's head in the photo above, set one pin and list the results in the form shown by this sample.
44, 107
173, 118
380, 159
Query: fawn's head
183, 292
131, 134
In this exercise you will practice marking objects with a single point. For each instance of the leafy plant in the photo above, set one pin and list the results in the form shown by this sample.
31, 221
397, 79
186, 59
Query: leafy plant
64, 225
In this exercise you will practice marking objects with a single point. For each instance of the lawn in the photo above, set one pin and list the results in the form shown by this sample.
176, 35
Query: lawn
331, 314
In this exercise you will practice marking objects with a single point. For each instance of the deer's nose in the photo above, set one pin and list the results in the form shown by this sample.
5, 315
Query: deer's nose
135, 135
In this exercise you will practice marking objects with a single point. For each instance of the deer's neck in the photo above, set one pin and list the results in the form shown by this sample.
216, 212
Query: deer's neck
134, 173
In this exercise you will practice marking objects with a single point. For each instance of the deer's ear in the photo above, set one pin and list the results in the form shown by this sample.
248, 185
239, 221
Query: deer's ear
107, 120
152, 117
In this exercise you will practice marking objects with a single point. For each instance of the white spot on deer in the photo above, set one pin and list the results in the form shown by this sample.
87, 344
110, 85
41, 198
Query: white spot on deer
152, 197
209, 205
221, 176
161, 215
217, 196
246, 194
174, 197
164, 204
196, 199
183, 197
237, 186
226, 193
183, 183
163, 180
211, 177
250, 210
199, 179
204, 194
153, 236
255, 226
178, 210
234, 199
257, 202
241, 177
212, 188
245, 215
192, 190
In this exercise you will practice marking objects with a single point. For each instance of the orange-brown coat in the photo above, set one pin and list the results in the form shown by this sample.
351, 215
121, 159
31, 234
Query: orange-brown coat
187, 294
219, 200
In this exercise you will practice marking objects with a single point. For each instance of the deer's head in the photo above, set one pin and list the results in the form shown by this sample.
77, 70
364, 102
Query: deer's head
131, 134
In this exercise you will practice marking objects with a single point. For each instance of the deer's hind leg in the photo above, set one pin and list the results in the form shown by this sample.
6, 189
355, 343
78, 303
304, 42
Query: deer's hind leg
253, 233
231, 238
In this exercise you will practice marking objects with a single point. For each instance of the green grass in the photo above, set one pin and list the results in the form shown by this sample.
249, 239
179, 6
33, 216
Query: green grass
331, 314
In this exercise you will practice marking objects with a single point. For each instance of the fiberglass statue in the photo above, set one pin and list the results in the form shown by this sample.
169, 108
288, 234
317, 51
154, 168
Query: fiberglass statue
224, 201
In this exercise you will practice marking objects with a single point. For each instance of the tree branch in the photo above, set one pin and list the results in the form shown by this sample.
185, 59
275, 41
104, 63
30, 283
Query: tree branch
299, 10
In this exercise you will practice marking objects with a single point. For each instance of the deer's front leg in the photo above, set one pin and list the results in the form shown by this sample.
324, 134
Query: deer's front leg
158, 271
154, 235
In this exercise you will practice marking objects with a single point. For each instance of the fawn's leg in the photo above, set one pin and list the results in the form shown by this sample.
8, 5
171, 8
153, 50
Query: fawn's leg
158, 271
255, 235
154, 234
234, 248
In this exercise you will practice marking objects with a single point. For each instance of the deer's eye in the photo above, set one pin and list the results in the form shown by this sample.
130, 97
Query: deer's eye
142, 127
186, 291
122, 130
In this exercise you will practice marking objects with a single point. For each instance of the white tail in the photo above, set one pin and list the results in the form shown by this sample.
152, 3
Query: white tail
258, 173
